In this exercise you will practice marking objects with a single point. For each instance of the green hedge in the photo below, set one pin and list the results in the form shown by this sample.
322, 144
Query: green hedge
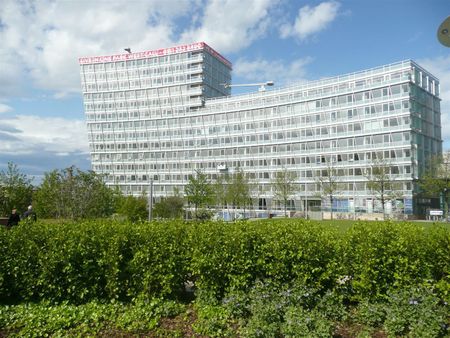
93, 260
107, 260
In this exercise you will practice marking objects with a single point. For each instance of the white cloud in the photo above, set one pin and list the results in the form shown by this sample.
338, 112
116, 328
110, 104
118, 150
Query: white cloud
311, 20
280, 72
42, 40
440, 67
231, 25
10, 71
25, 134
4, 108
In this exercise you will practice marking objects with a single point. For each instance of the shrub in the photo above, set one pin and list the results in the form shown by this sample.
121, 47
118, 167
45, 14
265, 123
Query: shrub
258, 278
299, 322
87, 320
104, 259
384, 255
236, 255
415, 312
134, 209
79, 262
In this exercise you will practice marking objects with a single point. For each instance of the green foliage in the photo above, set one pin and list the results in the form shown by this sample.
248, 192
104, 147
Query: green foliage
284, 186
299, 322
90, 319
235, 255
74, 194
252, 279
158, 262
416, 312
386, 255
370, 313
79, 262
332, 307
170, 207
238, 189
436, 179
112, 260
381, 183
328, 181
16, 190
199, 191
133, 208
437, 251
220, 190
270, 310
213, 320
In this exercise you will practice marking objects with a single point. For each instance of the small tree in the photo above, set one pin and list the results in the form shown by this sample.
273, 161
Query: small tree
238, 192
436, 180
328, 181
381, 183
133, 208
169, 207
199, 191
220, 187
74, 194
284, 187
16, 190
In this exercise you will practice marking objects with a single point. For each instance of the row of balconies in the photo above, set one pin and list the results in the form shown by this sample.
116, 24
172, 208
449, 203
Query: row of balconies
229, 137
288, 94
197, 58
128, 85
177, 122
246, 151
126, 76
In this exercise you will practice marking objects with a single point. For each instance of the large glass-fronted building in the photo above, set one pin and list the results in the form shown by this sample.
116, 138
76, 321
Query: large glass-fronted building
160, 115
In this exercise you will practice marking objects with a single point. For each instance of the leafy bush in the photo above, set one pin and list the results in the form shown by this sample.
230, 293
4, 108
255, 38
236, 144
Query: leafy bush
416, 312
385, 255
438, 258
299, 322
134, 209
79, 262
290, 310
213, 320
236, 255
74, 194
90, 319
252, 279
169, 207
370, 314
109, 260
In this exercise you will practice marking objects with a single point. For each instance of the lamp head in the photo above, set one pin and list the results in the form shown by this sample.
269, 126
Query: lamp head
443, 32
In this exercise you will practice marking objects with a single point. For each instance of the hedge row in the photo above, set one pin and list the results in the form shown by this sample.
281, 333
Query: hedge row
107, 260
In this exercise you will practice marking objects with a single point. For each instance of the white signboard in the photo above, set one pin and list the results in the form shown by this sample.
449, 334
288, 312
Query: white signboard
152, 53
436, 213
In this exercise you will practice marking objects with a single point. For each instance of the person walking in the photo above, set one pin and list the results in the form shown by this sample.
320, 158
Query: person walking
13, 219
30, 213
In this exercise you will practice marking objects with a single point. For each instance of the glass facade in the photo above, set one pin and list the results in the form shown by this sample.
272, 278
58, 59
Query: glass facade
161, 117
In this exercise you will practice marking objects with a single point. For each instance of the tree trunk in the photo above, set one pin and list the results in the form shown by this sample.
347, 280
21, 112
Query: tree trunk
331, 206
446, 204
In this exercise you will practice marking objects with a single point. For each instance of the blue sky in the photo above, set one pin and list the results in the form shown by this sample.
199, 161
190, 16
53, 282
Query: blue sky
42, 123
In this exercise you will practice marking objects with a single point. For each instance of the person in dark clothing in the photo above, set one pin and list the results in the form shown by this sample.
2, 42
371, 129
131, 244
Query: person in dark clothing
13, 219
30, 213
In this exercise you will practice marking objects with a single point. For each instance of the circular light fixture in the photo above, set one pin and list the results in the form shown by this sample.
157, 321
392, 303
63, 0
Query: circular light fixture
443, 32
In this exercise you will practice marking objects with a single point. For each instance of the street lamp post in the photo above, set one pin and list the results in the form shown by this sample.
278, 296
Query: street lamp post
306, 199
443, 33
150, 200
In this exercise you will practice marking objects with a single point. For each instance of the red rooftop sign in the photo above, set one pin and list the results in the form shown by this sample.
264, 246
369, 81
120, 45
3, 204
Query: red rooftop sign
152, 53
